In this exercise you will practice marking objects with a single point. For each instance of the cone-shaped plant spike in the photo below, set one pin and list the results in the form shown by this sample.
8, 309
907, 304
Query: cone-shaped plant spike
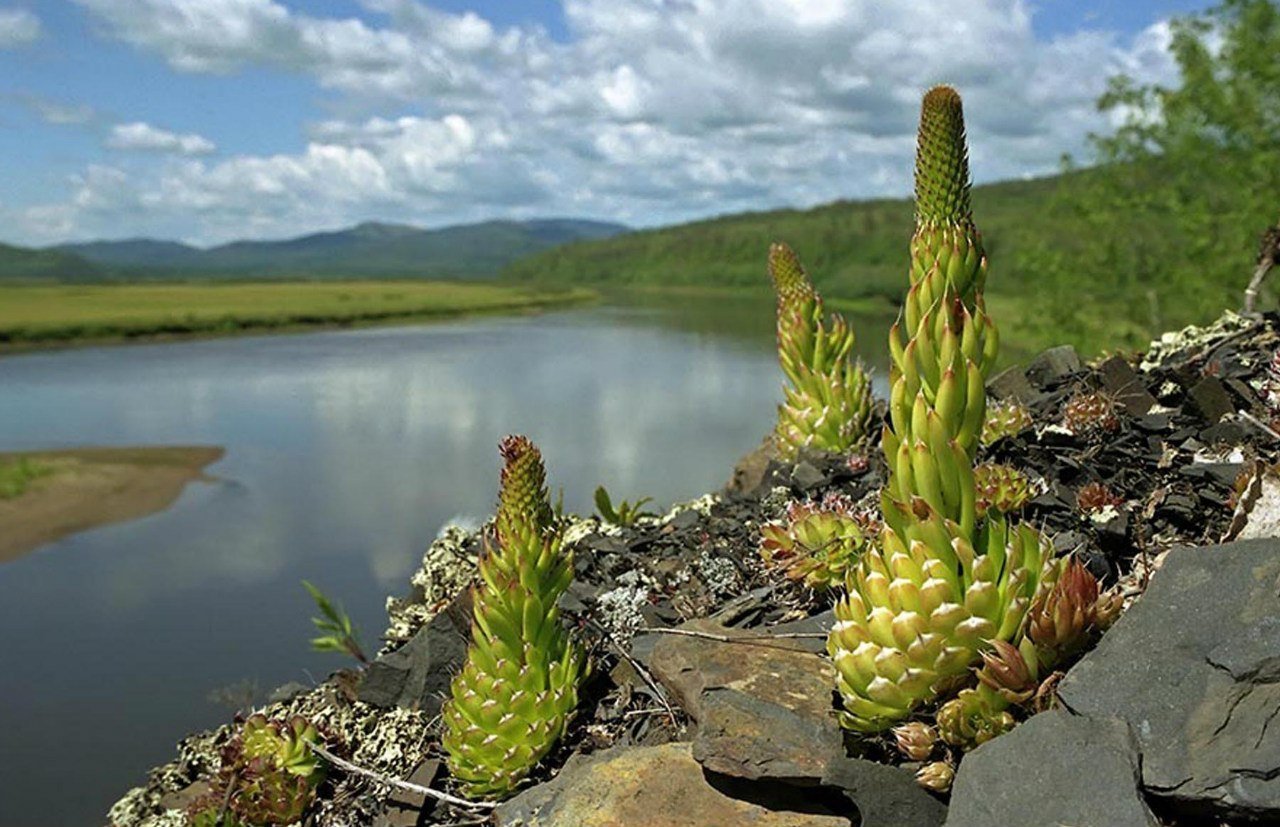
942, 582
828, 393
510, 703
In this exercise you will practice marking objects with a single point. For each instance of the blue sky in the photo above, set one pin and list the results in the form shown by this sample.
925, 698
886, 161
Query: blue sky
209, 120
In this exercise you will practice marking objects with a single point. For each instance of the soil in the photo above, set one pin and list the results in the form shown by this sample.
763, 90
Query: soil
91, 487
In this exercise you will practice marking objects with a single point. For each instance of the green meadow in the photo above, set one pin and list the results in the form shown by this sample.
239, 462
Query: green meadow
61, 314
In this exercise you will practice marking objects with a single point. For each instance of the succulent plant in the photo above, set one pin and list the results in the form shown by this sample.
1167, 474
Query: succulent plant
827, 404
1000, 487
1062, 618
942, 582
1059, 623
973, 717
268, 776
513, 697
1094, 496
936, 776
817, 543
915, 740
1005, 419
1089, 414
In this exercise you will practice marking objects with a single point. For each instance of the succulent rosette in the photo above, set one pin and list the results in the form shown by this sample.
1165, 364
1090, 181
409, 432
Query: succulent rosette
817, 543
513, 698
268, 776
827, 399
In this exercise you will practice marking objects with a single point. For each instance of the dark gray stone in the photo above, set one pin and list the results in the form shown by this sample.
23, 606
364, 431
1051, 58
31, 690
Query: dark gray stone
1052, 365
1209, 399
807, 477
417, 675
1194, 668
1011, 384
408, 809
818, 626
885, 796
1055, 769
1125, 386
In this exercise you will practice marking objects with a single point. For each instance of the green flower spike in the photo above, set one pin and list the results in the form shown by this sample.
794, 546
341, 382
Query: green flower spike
943, 581
513, 698
828, 393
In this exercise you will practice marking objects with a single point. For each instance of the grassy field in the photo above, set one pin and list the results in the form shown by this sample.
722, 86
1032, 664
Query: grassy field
58, 314
17, 475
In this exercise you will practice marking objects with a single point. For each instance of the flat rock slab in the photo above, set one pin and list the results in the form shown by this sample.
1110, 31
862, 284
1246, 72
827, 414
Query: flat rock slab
763, 707
1194, 668
418, 674
658, 787
1056, 769
885, 796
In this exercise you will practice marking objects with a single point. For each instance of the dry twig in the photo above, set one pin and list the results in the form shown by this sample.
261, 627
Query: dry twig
407, 786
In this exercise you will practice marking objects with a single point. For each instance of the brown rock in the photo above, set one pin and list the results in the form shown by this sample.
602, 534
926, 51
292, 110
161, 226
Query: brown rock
659, 787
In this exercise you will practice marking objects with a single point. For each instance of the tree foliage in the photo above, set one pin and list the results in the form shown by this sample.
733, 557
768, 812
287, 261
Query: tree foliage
1192, 174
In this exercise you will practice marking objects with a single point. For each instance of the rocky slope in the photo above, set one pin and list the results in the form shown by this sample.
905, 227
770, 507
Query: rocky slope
711, 699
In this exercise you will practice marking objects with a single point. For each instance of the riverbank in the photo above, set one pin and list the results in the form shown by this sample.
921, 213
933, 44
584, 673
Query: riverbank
710, 680
69, 491
38, 316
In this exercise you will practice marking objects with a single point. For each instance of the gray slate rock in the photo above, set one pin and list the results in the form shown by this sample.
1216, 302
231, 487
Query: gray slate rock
1011, 384
1053, 364
1194, 668
1126, 387
1055, 769
417, 675
885, 796
1209, 399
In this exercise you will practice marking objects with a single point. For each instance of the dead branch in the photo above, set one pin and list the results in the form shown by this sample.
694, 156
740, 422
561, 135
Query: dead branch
407, 786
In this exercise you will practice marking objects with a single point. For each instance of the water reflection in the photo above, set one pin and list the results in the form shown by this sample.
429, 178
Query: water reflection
346, 451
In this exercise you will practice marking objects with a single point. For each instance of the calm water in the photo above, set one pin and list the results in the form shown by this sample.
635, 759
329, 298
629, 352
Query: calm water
346, 452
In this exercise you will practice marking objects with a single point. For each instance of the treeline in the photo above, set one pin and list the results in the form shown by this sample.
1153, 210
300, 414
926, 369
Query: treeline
1160, 232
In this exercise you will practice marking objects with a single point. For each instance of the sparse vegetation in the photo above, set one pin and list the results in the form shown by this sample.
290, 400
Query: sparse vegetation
16, 476
339, 632
625, 513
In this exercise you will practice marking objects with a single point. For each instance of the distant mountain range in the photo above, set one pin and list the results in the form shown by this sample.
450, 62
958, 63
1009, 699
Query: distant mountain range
466, 251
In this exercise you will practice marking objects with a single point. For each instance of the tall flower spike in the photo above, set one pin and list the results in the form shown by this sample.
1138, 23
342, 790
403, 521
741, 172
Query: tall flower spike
510, 703
943, 581
827, 402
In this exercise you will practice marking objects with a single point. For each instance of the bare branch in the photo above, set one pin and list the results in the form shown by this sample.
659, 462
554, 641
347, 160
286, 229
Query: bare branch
407, 786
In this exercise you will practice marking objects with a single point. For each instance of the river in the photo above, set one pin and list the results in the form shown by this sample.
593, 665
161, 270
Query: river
346, 452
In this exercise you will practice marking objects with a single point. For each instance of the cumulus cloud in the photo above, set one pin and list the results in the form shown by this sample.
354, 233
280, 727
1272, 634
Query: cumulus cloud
18, 27
148, 138
652, 111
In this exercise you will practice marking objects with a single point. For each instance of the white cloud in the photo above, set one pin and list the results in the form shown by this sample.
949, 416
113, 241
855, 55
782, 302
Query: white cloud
653, 111
148, 138
18, 27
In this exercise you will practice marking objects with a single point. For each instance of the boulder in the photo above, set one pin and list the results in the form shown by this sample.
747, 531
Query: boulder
659, 786
1194, 668
1055, 769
